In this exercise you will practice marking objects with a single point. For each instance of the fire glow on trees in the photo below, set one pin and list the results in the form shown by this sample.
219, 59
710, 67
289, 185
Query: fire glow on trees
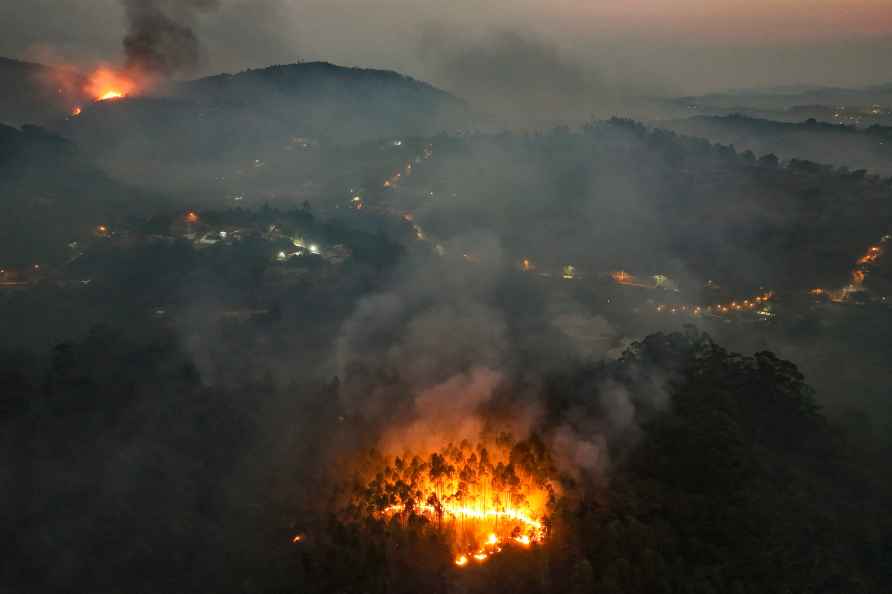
480, 499
106, 84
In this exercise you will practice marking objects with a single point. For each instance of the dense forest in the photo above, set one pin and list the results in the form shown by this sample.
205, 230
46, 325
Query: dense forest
278, 332
738, 484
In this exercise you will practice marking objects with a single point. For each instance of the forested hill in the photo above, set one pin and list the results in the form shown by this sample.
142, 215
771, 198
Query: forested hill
52, 194
620, 196
35, 93
738, 485
867, 148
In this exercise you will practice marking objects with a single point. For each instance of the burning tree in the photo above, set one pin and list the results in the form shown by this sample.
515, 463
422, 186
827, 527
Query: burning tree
479, 497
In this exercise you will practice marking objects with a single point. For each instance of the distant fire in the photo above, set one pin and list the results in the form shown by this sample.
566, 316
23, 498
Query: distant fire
112, 94
481, 499
622, 277
105, 84
76, 111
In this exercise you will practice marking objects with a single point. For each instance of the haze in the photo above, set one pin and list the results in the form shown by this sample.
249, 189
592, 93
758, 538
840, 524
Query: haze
637, 47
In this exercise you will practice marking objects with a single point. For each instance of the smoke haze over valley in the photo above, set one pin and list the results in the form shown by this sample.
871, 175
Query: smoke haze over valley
403, 297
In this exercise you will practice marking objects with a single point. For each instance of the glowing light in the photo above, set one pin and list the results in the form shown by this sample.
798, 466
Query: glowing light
461, 560
479, 498
297, 538
111, 94
76, 111
314, 249
106, 84
191, 217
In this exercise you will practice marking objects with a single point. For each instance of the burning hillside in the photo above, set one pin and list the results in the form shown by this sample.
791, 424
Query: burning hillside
479, 498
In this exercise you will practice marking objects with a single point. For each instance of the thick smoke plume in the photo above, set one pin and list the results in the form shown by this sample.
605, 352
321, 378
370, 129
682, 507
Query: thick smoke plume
161, 39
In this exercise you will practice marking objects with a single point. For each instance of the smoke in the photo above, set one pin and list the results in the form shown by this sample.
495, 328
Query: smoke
161, 39
516, 75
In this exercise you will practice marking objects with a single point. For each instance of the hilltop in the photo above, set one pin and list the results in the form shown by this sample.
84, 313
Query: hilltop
34, 93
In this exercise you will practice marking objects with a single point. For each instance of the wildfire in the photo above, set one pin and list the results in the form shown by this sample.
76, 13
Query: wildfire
480, 499
105, 84
622, 277
110, 94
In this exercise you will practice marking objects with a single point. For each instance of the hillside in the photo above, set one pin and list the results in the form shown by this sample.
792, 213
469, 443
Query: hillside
34, 93
52, 196
214, 126
857, 148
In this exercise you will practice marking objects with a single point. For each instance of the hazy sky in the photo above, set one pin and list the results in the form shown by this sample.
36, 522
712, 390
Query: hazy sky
669, 46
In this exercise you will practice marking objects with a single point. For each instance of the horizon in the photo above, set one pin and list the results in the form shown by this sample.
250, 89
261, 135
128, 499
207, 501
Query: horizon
652, 47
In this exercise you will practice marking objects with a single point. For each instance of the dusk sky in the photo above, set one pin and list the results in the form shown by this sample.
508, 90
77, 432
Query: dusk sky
662, 46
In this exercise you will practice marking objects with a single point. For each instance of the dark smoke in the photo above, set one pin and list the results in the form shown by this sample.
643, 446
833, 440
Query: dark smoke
161, 39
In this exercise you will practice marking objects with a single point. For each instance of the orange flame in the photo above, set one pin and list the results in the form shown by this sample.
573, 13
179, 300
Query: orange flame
106, 84
479, 498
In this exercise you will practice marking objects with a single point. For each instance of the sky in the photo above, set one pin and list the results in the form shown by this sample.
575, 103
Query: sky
634, 46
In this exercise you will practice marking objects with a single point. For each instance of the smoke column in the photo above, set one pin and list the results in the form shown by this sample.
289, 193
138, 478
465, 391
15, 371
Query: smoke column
160, 39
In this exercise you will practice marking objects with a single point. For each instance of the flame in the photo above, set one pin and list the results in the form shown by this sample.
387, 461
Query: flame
191, 217
297, 538
480, 499
622, 277
110, 94
107, 83
76, 111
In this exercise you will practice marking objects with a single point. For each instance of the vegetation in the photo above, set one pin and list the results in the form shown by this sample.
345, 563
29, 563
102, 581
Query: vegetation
122, 468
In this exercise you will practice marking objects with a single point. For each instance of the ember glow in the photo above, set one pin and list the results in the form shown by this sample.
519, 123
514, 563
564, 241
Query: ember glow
106, 84
622, 277
479, 499
111, 94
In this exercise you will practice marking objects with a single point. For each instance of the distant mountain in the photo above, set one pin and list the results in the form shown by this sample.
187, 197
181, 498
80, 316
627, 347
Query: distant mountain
324, 100
212, 126
856, 148
861, 106
34, 93
786, 97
